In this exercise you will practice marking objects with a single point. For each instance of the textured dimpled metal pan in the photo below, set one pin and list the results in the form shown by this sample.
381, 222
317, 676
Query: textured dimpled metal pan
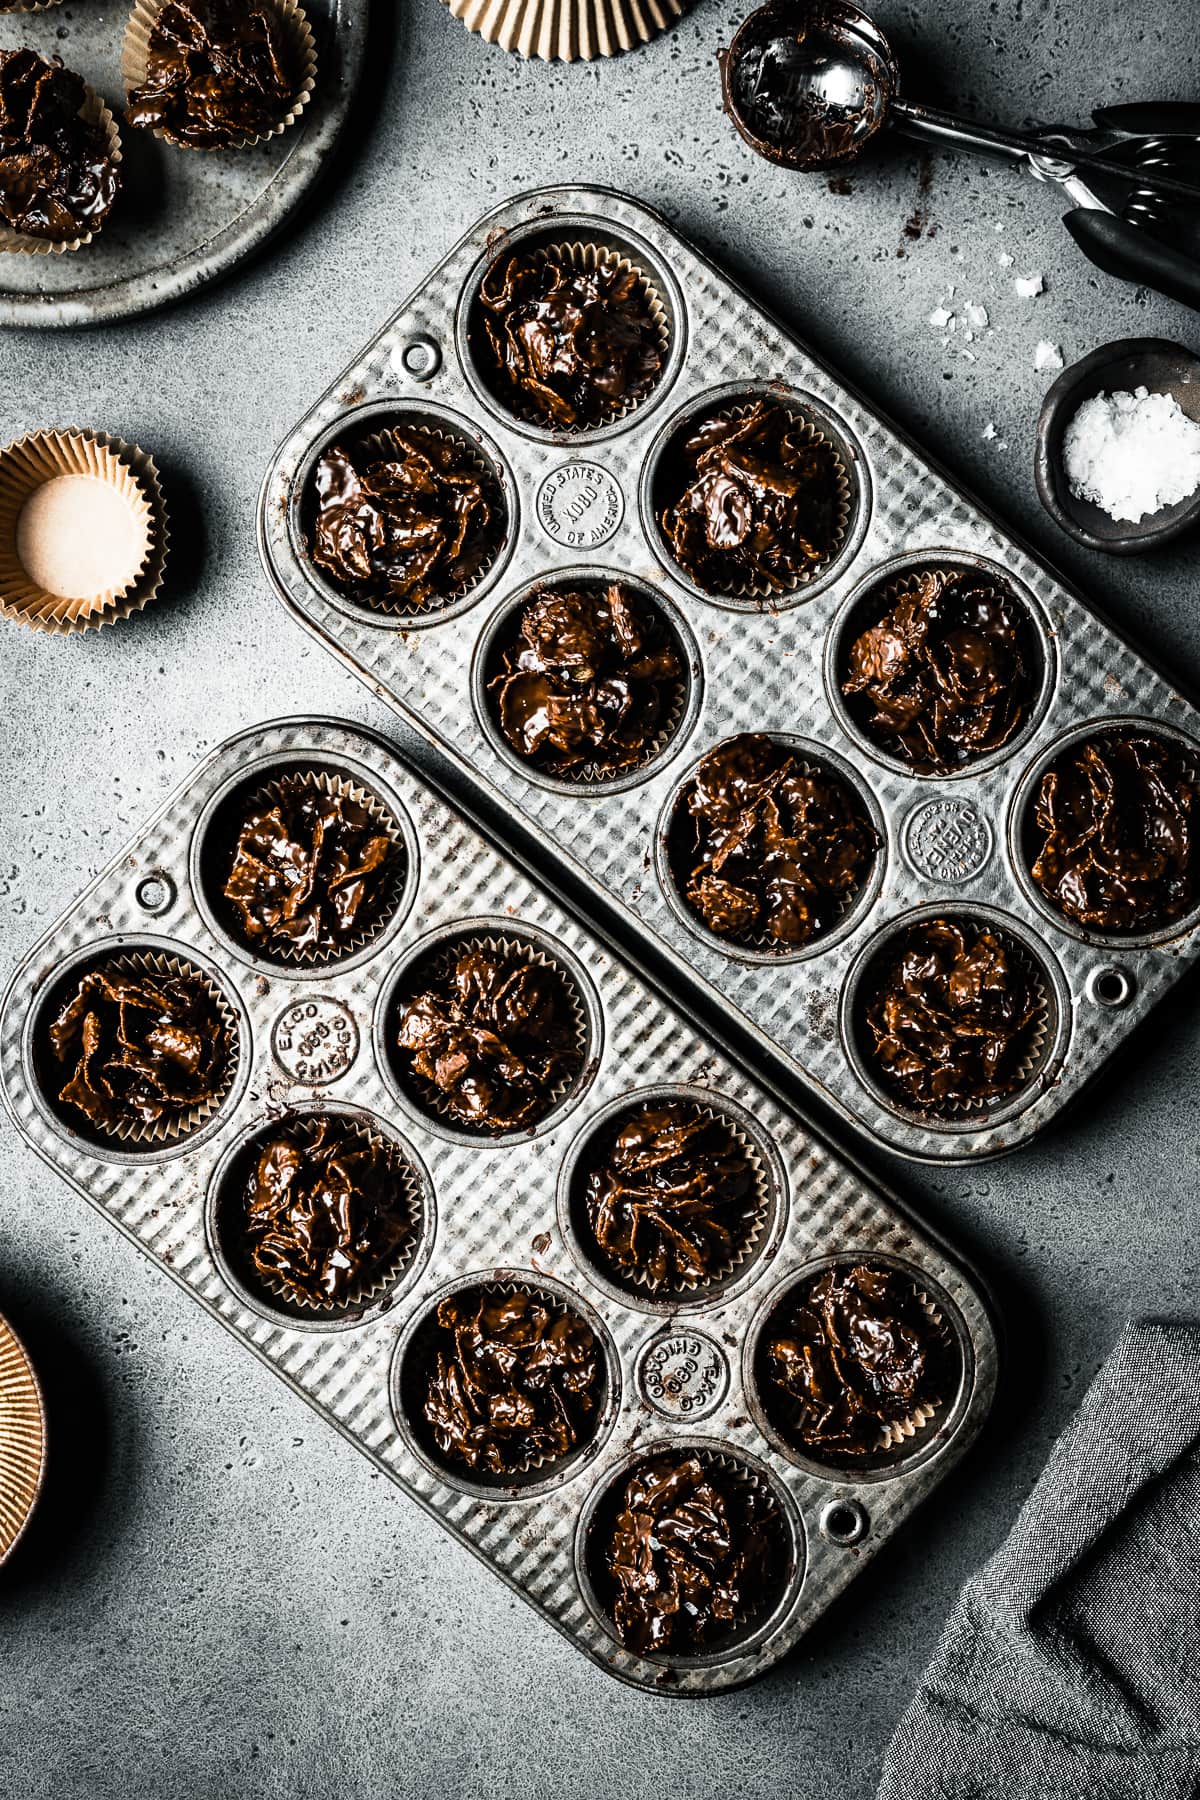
493, 1213
952, 843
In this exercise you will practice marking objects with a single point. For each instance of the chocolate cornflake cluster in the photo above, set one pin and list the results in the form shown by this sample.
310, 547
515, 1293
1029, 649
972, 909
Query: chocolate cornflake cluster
495, 1037
587, 682
571, 346
326, 1208
854, 1359
58, 180
753, 501
218, 73
140, 1047
672, 1201
311, 871
948, 674
514, 1382
692, 1553
763, 847
406, 519
1118, 816
953, 1015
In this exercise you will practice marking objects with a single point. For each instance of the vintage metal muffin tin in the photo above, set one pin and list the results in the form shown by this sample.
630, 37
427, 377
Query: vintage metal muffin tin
677, 1374
584, 504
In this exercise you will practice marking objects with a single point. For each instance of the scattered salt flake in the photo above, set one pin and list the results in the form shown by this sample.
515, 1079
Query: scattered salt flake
1047, 358
1030, 286
950, 290
999, 225
976, 315
970, 356
989, 431
1005, 260
940, 317
969, 336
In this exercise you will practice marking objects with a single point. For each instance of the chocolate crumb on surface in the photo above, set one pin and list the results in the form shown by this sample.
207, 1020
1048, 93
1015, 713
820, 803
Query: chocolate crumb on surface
218, 73
58, 179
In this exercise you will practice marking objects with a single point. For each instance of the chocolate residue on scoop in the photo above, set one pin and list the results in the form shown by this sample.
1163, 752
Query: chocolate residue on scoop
948, 674
854, 1357
1118, 817
58, 180
406, 519
588, 681
495, 1036
310, 872
140, 1047
571, 345
672, 1200
514, 1382
325, 1209
692, 1553
753, 501
763, 847
953, 1014
218, 73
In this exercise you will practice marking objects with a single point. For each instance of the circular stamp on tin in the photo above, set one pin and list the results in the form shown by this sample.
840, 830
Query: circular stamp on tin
580, 505
315, 1040
947, 840
683, 1374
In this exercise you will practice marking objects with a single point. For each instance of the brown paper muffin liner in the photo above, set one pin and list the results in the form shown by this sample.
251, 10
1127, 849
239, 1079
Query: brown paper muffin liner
897, 1439
96, 112
761, 590
584, 257
442, 965
757, 1216
135, 57
159, 1133
531, 1468
25, 6
42, 456
279, 789
22, 1439
376, 1282
563, 30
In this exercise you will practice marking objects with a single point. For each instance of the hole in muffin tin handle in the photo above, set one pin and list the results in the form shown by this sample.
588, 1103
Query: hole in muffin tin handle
155, 893
1110, 986
844, 1522
421, 358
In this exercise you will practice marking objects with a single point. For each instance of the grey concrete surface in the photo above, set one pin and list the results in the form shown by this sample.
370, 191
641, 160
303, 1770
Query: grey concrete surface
218, 1599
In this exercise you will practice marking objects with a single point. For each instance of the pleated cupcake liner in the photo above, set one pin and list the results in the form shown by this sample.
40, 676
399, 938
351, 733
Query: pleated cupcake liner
43, 456
761, 589
566, 30
96, 112
584, 257
302, 57
279, 790
25, 6
374, 1283
22, 1439
173, 1127
441, 967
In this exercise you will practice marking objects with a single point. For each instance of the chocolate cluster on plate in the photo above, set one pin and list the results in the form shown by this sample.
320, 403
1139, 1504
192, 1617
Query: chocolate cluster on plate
1118, 820
326, 1210
58, 178
692, 1553
142, 1048
311, 872
493, 1038
219, 73
673, 1199
948, 674
856, 1363
588, 681
406, 520
954, 1014
568, 343
752, 500
765, 847
513, 1382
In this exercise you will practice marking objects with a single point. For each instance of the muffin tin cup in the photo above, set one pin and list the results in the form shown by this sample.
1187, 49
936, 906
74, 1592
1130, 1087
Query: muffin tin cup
44, 456
539, 1475
491, 1209
95, 111
302, 54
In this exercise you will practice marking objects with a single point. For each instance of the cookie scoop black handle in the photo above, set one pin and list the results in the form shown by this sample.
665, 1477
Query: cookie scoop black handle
1130, 252
1151, 118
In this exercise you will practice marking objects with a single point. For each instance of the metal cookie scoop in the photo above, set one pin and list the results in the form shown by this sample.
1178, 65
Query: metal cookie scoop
810, 83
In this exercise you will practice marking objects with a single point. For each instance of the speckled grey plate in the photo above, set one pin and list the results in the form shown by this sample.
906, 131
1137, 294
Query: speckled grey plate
184, 217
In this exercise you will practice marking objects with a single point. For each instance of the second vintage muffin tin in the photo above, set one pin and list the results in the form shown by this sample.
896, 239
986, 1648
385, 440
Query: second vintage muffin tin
583, 506
313, 1040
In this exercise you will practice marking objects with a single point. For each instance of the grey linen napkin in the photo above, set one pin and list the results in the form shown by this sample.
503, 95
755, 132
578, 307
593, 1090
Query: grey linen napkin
1070, 1666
